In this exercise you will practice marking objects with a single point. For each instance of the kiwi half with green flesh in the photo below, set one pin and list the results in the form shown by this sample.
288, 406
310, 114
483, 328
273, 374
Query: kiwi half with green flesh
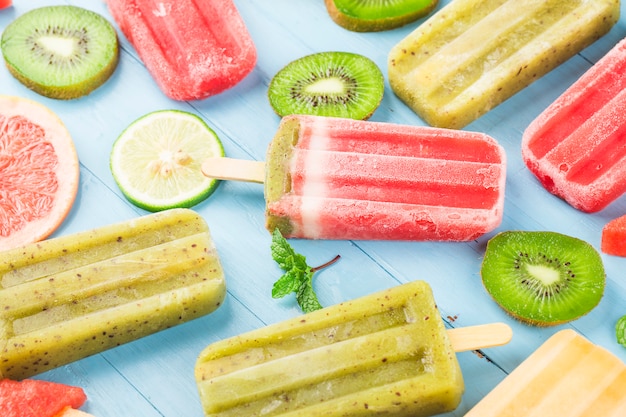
377, 15
543, 278
339, 84
61, 52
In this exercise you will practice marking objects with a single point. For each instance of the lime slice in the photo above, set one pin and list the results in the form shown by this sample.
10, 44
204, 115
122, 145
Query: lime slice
157, 160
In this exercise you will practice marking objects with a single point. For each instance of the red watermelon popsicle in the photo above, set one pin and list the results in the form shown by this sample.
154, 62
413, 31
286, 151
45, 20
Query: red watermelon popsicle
335, 178
613, 240
36, 398
576, 147
193, 49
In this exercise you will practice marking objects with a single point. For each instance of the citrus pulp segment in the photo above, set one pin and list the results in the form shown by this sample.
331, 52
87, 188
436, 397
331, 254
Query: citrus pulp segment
156, 162
40, 172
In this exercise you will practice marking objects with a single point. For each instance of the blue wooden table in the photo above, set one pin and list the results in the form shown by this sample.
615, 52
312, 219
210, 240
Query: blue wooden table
154, 376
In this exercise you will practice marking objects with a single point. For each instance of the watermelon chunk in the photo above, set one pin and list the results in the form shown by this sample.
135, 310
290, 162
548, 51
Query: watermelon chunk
36, 398
614, 237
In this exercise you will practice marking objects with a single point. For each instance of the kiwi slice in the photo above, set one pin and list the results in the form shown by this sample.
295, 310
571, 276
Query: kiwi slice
543, 278
337, 84
61, 52
377, 15
620, 331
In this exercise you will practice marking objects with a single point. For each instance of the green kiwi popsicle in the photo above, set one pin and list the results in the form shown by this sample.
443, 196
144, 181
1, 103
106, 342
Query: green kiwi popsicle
387, 353
472, 55
73, 296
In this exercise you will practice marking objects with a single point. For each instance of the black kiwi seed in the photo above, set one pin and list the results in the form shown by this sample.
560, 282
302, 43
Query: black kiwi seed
336, 84
377, 15
543, 278
61, 52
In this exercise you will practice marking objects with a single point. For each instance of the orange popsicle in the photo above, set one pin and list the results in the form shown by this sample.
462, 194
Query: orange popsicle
567, 376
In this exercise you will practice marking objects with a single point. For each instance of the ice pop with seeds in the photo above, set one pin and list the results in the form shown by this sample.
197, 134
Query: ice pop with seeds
73, 296
472, 55
386, 353
193, 49
335, 178
576, 146
566, 376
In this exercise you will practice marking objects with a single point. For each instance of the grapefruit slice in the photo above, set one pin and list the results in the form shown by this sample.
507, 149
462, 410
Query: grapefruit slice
39, 172
36, 398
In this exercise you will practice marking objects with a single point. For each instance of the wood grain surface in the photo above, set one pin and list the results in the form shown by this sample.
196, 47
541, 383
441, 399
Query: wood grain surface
154, 376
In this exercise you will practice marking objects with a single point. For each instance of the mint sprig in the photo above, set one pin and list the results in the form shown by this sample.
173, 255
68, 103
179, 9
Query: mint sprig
298, 276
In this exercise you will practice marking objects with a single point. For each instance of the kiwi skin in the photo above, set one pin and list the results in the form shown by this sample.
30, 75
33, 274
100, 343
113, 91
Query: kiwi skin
289, 91
15, 40
521, 292
356, 22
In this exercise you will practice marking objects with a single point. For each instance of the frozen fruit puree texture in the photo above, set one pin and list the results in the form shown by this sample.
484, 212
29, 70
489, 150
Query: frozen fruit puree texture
192, 48
613, 240
72, 296
473, 54
37, 398
387, 353
566, 376
334, 178
576, 147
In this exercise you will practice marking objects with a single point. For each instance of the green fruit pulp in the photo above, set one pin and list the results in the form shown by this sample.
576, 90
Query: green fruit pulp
543, 278
61, 52
336, 84
373, 16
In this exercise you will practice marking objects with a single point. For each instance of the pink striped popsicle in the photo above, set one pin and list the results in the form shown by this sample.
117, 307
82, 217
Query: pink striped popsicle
576, 147
335, 178
192, 49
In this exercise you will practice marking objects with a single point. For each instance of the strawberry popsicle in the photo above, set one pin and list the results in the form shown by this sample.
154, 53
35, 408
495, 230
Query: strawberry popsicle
335, 178
386, 353
472, 55
193, 49
73, 296
566, 376
576, 147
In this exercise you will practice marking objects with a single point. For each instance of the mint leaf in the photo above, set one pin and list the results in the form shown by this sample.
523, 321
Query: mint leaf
306, 297
282, 252
286, 284
298, 276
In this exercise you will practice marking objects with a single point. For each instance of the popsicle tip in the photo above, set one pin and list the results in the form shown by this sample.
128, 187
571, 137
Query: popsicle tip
505, 332
480, 336
224, 168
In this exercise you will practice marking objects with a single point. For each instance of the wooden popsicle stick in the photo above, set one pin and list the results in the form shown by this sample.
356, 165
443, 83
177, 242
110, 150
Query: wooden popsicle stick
223, 168
481, 336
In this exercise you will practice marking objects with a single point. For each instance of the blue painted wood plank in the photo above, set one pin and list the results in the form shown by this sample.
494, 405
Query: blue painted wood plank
154, 376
